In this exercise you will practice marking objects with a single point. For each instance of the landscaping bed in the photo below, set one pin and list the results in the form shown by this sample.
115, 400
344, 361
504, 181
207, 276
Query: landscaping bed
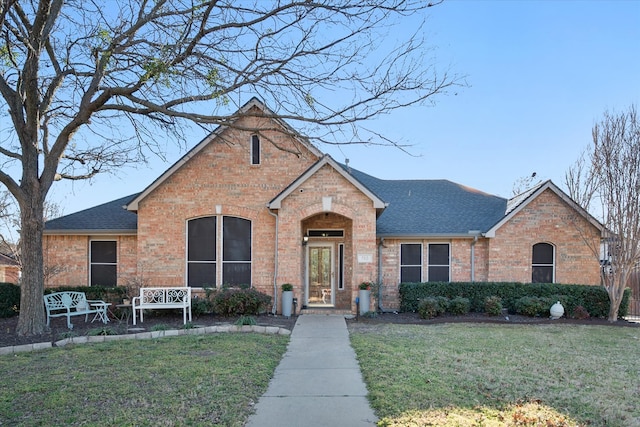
158, 320
173, 320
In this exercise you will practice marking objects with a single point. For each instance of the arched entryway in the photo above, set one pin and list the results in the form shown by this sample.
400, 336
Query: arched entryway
327, 261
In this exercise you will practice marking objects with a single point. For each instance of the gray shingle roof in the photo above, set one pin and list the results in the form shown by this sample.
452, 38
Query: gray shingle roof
416, 208
432, 207
110, 216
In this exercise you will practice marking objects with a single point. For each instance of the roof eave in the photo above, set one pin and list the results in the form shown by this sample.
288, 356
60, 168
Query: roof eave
92, 232
409, 236
276, 203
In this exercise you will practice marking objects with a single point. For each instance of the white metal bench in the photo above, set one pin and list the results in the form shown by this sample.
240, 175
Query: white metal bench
162, 298
69, 304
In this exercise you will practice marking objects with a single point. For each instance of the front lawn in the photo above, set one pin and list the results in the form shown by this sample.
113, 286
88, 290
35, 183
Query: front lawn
501, 375
199, 380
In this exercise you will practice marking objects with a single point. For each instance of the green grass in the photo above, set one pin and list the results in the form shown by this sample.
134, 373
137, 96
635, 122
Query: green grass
497, 375
198, 380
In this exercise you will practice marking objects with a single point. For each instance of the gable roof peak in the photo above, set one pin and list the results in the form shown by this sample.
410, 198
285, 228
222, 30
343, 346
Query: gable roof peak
242, 111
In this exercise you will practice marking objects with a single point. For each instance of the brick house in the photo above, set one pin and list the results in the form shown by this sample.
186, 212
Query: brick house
263, 206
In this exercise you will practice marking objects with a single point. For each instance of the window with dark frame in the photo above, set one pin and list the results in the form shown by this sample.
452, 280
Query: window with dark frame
543, 266
255, 150
103, 263
438, 262
236, 251
201, 252
410, 262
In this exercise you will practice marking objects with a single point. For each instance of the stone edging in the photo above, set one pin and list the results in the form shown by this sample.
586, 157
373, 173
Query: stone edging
275, 330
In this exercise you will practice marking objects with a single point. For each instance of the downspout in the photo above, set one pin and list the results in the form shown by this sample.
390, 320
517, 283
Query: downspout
274, 308
473, 258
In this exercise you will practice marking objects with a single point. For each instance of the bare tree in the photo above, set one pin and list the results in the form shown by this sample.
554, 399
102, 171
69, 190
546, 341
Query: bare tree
89, 85
606, 179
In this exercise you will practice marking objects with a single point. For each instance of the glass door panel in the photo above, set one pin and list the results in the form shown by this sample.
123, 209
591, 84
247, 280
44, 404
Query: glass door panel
320, 275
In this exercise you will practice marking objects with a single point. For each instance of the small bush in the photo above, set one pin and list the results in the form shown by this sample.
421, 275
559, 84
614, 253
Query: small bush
370, 314
232, 302
433, 307
459, 306
579, 312
493, 305
246, 320
101, 331
160, 327
9, 299
200, 306
533, 306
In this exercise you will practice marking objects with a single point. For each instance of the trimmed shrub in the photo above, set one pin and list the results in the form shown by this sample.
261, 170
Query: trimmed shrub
579, 312
9, 299
433, 307
231, 302
593, 298
459, 306
493, 305
203, 305
533, 306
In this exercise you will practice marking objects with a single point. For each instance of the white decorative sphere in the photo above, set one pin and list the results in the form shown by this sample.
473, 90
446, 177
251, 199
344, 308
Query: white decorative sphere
557, 310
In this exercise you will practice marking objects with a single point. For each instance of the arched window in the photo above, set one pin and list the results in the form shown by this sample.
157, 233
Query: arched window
203, 256
543, 263
201, 252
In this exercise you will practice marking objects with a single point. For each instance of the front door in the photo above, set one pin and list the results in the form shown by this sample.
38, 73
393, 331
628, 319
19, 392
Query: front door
320, 290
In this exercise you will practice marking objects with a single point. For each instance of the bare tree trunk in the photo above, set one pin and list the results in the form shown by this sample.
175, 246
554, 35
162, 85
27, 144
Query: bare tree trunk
32, 316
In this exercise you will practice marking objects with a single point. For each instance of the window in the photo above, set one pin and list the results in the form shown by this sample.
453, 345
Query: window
103, 263
236, 250
410, 262
438, 268
341, 266
201, 252
255, 150
542, 269
202, 256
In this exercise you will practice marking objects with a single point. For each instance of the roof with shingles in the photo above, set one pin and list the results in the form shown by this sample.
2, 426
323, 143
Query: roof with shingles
108, 217
415, 208
432, 207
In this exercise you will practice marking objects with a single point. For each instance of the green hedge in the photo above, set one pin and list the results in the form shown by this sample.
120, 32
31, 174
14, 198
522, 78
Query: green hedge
593, 298
9, 299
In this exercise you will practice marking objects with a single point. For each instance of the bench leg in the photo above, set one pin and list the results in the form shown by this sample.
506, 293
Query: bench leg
69, 324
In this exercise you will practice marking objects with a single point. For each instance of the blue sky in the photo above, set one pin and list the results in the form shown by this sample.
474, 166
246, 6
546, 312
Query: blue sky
540, 74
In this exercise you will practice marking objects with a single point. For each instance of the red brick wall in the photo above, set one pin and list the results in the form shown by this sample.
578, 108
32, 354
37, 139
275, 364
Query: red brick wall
546, 219
68, 256
219, 180
350, 209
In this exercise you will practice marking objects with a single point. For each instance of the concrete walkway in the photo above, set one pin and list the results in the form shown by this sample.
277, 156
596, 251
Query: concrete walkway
318, 382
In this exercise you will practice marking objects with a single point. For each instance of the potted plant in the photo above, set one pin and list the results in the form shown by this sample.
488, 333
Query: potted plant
287, 299
364, 295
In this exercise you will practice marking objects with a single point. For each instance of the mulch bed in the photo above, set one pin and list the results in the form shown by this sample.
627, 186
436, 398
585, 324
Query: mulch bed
166, 319
173, 320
